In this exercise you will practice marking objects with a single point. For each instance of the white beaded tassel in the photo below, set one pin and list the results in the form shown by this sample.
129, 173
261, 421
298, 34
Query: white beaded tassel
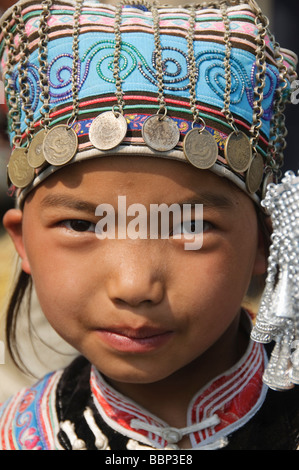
278, 316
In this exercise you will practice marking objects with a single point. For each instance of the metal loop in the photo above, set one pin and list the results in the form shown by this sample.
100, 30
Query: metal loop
16, 141
202, 122
234, 127
163, 110
117, 110
71, 121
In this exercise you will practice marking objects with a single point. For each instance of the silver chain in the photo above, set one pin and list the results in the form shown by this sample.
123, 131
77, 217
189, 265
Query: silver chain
192, 68
43, 32
262, 25
228, 79
117, 52
158, 55
23, 79
278, 127
14, 117
152, 6
75, 76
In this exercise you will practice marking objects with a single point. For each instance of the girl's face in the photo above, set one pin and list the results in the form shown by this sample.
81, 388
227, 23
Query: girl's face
140, 309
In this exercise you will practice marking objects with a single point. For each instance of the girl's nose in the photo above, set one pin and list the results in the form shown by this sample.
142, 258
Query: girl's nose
136, 277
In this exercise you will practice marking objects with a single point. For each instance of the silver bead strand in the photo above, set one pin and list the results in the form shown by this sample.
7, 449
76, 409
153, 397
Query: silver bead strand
278, 316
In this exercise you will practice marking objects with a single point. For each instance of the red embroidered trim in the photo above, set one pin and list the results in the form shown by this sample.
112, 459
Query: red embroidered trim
233, 396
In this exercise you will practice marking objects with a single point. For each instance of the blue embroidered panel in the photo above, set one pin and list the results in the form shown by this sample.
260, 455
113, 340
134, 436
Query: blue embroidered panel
138, 72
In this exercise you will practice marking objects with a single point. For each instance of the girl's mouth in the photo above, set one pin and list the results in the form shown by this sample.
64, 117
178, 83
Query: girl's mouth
135, 341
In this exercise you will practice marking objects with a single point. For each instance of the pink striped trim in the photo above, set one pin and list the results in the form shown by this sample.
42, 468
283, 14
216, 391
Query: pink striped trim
6, 428
45, 410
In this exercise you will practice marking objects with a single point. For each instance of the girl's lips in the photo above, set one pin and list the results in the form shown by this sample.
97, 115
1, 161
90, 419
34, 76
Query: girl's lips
139, 341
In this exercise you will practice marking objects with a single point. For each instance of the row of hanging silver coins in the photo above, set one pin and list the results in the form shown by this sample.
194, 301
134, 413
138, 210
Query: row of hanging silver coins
58, 145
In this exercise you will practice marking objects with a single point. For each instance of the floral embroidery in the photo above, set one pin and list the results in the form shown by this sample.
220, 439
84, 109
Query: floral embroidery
28, 437
28, 421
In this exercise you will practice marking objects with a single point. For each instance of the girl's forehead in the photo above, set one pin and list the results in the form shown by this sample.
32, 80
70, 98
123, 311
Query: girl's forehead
136, 171
141, 180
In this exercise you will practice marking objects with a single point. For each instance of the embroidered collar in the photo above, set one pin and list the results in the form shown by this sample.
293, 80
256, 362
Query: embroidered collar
217, 410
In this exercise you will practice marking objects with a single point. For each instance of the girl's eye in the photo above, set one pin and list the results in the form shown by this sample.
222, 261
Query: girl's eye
193, 227
78, 225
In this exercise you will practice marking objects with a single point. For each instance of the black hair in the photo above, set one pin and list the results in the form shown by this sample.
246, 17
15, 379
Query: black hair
22, 291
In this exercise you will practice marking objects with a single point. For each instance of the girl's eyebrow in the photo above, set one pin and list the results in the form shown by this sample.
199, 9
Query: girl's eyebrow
62, 200
208, 200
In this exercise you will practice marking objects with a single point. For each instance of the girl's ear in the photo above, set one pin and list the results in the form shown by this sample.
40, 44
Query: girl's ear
12, 222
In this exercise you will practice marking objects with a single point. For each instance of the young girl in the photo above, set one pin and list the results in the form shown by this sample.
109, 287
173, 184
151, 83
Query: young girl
165, 355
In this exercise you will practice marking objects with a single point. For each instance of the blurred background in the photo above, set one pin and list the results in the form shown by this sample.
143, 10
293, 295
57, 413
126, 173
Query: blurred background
284, 21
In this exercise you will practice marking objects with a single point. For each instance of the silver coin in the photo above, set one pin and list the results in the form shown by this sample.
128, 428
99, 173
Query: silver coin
60, 145
269, 178
35, 152
160, 133
238, 152
108, 130
18, 169
254, 175
200, 148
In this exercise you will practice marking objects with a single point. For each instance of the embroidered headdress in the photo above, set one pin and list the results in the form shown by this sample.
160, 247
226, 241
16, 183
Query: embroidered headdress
204, 84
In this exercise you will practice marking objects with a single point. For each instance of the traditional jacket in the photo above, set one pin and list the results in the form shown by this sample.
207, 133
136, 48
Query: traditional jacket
76, 408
